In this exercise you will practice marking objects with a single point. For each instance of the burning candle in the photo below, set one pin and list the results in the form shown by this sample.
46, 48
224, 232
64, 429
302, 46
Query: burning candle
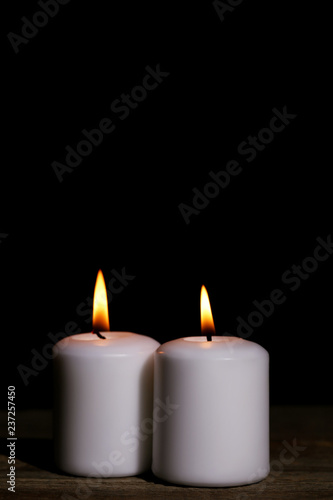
103, 398
219, 434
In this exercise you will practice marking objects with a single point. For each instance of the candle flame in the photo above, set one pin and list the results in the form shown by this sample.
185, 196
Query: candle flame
207, 322
100, 307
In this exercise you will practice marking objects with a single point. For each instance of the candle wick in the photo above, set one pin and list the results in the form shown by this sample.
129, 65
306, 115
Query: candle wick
209, 334
98, 334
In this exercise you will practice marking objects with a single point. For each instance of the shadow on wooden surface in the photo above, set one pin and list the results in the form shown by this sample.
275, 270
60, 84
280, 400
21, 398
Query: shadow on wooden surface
38, 453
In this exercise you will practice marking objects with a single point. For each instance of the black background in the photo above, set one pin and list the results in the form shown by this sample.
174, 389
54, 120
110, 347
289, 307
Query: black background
119, 208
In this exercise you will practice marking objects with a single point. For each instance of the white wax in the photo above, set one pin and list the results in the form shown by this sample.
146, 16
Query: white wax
219, 434
103, 398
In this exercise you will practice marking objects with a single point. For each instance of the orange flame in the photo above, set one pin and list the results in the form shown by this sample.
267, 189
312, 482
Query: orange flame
100, 307
207, 322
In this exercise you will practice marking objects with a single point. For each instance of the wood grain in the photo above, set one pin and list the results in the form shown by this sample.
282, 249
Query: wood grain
307, 475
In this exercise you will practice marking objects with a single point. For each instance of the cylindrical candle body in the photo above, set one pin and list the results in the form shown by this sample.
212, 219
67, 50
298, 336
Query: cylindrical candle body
103, 404
219, 433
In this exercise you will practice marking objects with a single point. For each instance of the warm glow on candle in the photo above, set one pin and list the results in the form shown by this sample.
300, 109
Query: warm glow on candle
207, 322
100, 307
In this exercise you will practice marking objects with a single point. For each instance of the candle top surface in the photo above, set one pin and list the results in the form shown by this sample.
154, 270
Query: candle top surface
114, 344
223, 347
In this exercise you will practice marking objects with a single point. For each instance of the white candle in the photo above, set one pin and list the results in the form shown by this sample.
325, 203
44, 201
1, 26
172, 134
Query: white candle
219, 434
103, 401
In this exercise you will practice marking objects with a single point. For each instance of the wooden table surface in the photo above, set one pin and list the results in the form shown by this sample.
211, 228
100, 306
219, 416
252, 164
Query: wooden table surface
304, 471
